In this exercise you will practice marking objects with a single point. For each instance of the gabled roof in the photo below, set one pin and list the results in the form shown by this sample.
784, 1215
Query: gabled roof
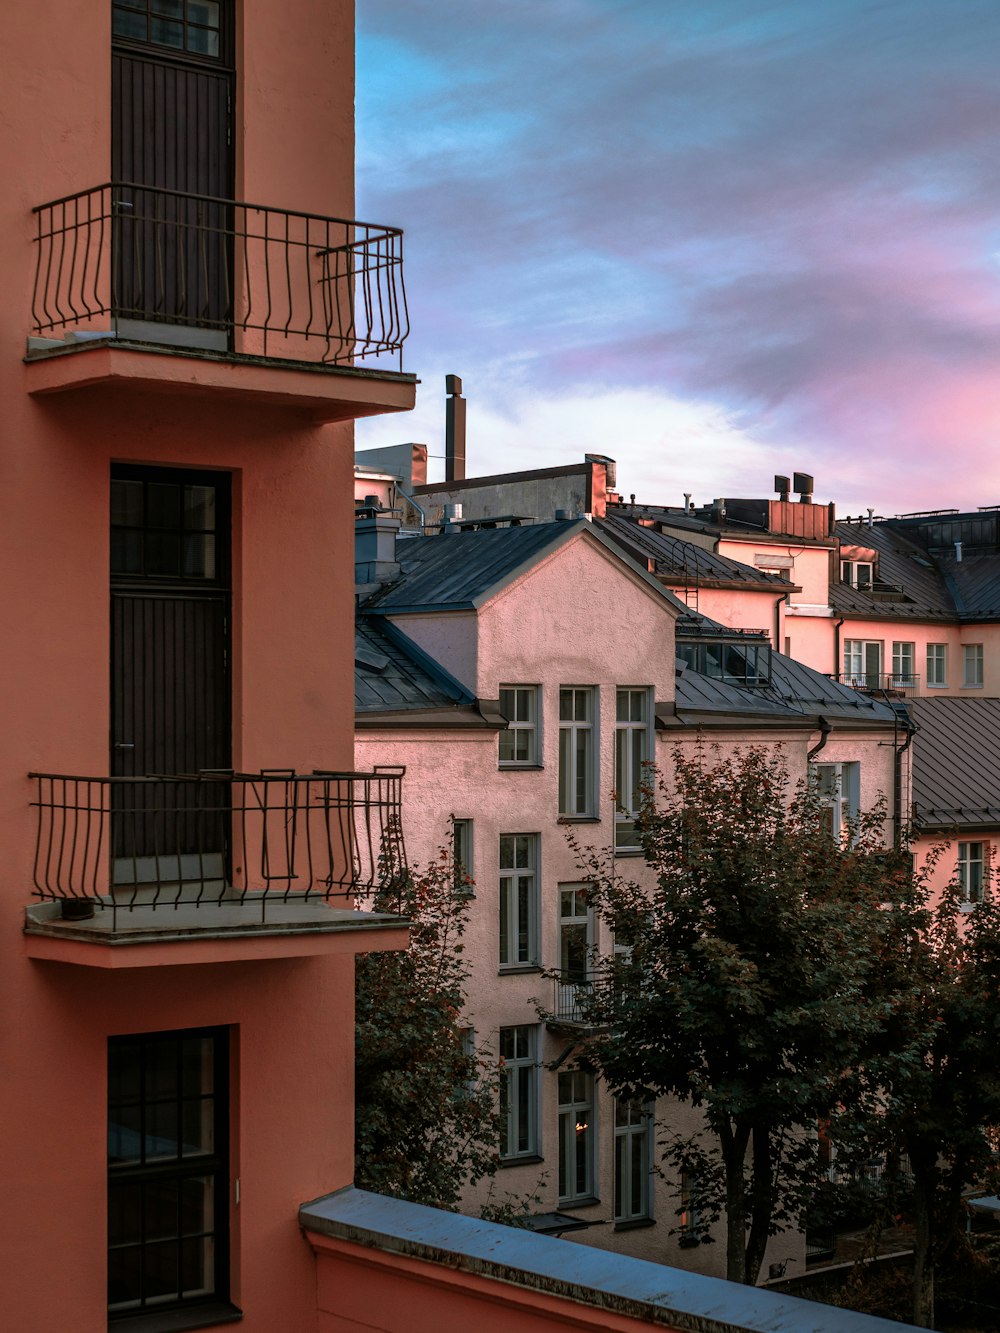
463, 570
956, 763
682, 559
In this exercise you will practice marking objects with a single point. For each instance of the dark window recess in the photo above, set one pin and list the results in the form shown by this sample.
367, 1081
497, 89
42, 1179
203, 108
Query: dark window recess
192, 27
168, 1194
166, 528
735, 663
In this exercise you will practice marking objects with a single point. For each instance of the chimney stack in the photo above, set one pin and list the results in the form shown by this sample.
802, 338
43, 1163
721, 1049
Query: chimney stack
454, 430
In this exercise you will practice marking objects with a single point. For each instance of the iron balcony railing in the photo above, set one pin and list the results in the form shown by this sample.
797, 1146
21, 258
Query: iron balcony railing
219, 837
134, 261
569, 997
892, 682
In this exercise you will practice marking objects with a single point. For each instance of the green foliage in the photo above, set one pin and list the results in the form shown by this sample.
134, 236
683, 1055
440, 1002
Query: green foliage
747, 989
427, 1123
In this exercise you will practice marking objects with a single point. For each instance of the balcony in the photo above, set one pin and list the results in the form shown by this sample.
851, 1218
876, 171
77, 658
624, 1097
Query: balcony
258, 864
569, 1000
900, 685
179, 292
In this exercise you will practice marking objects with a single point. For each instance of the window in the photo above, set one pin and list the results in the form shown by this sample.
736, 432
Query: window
632, 1121
690, 1222
518, 1092
972, 665
519, 743
858, 573
576, 1135
461, 847
631, 754
744, 661
971, 869
903, 657
163, 23
937, 665
839, 794
576, 940
168, 1193
518, 899
863, 663
577, 783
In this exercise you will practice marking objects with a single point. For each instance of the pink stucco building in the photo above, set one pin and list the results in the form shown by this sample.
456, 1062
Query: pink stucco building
524, 674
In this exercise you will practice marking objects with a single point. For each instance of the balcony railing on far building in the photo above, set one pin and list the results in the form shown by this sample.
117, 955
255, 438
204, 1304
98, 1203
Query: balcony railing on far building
217, 837
879, 682
149, 265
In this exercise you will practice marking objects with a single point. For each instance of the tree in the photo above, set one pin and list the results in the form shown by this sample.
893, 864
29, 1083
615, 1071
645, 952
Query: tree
928, 1092
744, 990
427, 1122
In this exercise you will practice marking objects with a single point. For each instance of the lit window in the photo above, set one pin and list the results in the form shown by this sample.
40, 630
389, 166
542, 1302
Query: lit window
631, 755
518, 1092
971, 871
577, 785
576, 1135
519, 743
632, 1123
972, 665
168, 1193
518, 899
937, 665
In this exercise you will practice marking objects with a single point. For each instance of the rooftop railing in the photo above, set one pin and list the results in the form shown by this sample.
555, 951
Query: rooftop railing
893, 682
213, 837
140, 263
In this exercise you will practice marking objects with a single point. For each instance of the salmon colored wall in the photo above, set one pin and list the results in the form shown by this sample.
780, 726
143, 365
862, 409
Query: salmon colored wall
741, 610
810, 568
920, 635
945, 868
811, 640
360, 1289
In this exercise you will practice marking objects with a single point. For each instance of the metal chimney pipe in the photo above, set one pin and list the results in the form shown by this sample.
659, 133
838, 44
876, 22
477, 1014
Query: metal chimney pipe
454, 430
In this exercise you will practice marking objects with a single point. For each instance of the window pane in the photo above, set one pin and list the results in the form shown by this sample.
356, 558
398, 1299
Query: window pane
203, 41
125, 24
204, 11
166, 33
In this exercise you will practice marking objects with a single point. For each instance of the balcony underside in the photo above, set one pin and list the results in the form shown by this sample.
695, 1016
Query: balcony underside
316, 391
146, 936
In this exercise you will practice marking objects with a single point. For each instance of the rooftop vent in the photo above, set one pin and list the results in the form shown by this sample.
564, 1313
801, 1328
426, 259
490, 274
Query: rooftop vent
802, 485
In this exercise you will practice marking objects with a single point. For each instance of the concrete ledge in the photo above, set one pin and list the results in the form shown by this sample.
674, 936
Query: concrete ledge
214, 932
580, 1275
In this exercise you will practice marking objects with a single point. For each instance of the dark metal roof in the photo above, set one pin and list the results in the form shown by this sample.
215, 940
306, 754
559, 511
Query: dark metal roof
388, 679
934, 584
674, 556
459, 571
956, 762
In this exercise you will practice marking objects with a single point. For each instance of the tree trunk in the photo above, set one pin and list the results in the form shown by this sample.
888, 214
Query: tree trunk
734, 1151
761, 1203
923, 1259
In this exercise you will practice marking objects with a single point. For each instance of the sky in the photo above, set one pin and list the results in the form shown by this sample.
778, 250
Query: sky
713, 239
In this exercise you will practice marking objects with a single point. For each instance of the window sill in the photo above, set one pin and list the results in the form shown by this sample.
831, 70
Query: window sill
579, 819
518, 969
629, 851
589, 1201
968, 685
635, 1224
176, 1321
530, 1159
507, 767
940, 685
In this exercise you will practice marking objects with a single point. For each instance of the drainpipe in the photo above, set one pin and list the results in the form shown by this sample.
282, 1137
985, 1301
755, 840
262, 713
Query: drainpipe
897, 782
824, 734
422, 512
777, 622
836, 647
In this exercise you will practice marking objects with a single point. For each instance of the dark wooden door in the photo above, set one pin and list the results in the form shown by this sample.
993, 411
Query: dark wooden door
170, 694
172, 160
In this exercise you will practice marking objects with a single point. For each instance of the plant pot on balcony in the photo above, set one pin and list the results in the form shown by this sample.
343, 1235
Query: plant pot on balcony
77, 909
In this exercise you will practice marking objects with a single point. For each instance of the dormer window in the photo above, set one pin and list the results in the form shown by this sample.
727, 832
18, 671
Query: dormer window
857, 573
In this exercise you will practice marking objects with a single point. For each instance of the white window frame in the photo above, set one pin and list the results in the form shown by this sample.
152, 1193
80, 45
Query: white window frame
521, 707
575, 918
577, 1135
863, 659
971, 871
904, 655
463, 845
578, 751
937, 666
518, 1048
633, 1125
972, 666
633, 745
858, 573
519, 856
839, 787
